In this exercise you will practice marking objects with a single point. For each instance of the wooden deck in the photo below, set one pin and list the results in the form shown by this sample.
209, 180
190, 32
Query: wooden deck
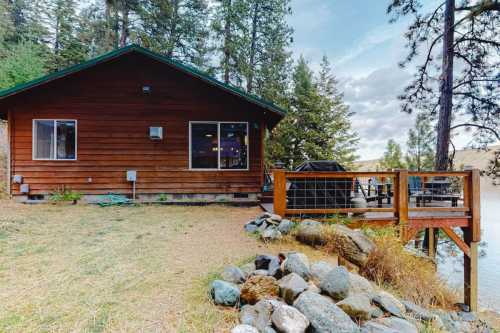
300, 194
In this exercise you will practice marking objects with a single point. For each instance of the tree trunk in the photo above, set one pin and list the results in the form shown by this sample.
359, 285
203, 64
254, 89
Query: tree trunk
227, 40
446, 89
124, 30
172, 41
253, 47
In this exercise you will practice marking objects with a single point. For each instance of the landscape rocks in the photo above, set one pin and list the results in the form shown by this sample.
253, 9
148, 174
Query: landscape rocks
233, 274
336, 283
389, 325
323, 314
418, 312
247, 269
358, 284
357, 306
270, 234
320, 269
311, 233
285, 226
389, 303
291, 286
270, 226
244, 329
259, 287
297, 263
225, 293
270, 263
353, 245
288, 319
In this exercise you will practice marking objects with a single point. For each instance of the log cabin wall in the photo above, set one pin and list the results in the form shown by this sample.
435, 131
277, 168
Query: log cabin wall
114, 117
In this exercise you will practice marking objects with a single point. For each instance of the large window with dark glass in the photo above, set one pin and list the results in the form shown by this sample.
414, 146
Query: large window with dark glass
219, 145
54, 139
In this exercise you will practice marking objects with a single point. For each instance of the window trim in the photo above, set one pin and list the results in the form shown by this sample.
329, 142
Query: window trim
33, 134
218, 145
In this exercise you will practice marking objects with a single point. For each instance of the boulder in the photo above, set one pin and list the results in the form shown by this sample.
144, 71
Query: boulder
288, 319
418, 312
263, 272
291, 286
389, 303
244, 329
270, 234
275, 217
357, 306
324, 316
248, 315
265, 215
311, 233
264, 309
313, 288
353, 245
225, 293
285, 226
389, 325
319, 269
233, 274
258, 221
247, 269
297, 263
358, 284
336, 283
263, 227
259, 287
251, 227
376, 312
270, 263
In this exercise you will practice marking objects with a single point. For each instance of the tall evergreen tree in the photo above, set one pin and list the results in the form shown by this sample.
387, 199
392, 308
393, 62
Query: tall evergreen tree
393, 157
24, 61
420, 144
317, 126
176, 28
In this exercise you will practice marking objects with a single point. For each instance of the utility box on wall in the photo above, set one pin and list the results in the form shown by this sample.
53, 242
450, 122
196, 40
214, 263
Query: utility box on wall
131, 175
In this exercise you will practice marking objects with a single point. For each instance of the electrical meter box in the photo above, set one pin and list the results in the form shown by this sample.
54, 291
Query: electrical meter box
131, 175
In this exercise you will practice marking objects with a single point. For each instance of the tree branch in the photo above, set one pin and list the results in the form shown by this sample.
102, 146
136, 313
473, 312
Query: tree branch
492, 130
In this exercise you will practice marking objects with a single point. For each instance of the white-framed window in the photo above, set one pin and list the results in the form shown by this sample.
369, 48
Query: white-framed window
218, 145
54, 139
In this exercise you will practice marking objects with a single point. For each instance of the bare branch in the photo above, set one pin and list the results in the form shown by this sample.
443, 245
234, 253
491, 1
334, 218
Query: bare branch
492, 130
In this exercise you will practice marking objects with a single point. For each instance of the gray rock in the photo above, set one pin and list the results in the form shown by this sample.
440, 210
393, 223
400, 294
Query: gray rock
263, 227
271, 263
264, 309
258, 222
248, 315
265, 215
310, 232
324, 316
389, 303
285, 226
336, 283
418, 312
357, 306
233, 274
297, 263
288, 319
270, 234
389, 325
225, 293
291, 286
247, 269
313, 288
263, 272
244, 329
320, 269
358, 284
251, 228
270, 221
275, 217
376, 312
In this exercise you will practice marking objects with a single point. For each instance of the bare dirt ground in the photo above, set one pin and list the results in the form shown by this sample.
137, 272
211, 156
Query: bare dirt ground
128, 269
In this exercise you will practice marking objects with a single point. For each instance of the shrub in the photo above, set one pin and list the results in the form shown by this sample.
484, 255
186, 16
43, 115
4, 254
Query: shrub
64, 194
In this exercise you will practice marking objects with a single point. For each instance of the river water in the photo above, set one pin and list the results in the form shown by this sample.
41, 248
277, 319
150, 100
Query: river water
489, 262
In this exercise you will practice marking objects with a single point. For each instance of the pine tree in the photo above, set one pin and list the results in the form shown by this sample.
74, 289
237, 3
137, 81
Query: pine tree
393, 157
317, 126
420, 144
176, 28
23, 62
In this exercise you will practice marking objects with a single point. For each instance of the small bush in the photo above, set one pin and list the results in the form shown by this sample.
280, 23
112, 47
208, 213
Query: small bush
64, 194
412, 277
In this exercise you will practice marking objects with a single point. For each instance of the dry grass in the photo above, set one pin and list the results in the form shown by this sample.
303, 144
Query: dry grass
127, 269
411, 277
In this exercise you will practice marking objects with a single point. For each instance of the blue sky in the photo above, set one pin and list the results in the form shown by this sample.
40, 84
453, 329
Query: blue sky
364, 49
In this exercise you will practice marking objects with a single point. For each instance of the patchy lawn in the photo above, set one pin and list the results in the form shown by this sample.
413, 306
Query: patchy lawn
129, 269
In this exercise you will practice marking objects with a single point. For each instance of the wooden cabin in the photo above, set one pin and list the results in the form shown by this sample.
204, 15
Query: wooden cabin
136, 121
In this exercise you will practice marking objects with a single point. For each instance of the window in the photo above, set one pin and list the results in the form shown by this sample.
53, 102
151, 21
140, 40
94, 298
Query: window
219, 145
54, 139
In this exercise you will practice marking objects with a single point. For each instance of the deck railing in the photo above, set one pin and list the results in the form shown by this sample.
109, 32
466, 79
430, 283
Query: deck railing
413, 201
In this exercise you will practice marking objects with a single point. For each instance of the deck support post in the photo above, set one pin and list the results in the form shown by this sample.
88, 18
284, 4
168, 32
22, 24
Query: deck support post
470, 277
402, 205
279, 192
431, 247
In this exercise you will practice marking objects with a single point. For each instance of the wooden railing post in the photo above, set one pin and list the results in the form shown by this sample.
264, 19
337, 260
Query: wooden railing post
279, 192
402, 202
472, 237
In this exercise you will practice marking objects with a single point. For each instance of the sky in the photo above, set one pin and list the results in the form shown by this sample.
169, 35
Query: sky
364, 49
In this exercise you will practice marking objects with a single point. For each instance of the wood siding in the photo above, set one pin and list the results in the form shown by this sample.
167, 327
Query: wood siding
113, 121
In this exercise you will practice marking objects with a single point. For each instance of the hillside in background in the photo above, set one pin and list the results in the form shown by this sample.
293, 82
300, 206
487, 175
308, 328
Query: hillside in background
478, 159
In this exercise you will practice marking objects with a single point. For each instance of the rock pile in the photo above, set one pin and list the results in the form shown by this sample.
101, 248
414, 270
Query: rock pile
269, 226
287, 293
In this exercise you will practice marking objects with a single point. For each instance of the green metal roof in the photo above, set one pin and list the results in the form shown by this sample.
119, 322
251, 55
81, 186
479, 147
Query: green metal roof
167, 60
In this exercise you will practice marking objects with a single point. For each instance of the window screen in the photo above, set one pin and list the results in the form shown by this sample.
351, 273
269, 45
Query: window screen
233, 145
54, 139
204, 146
